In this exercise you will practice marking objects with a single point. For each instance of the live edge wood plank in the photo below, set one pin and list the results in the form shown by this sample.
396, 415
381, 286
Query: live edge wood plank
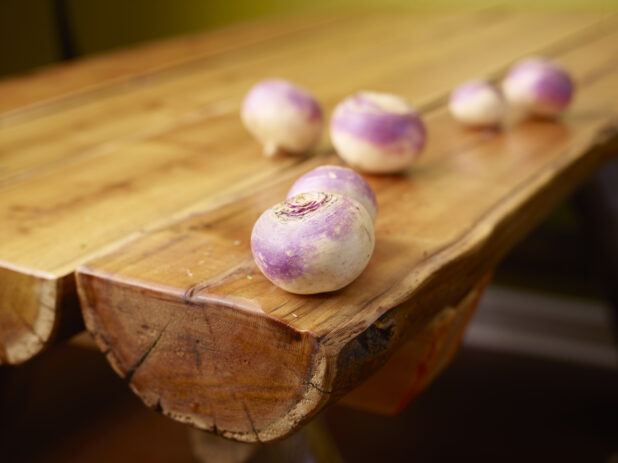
86, 171
184, 315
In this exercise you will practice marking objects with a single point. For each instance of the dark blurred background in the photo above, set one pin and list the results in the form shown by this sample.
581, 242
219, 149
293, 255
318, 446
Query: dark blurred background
536, 379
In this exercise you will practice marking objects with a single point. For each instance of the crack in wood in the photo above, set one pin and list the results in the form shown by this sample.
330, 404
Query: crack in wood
191, 292
196, 352
215, 429
330, 338
131, 371
277, 307
157, 406
319, 389
257, 436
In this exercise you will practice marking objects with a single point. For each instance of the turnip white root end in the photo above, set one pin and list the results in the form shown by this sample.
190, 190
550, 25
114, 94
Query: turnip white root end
477, 103
284, 117
339, 180
377, 132
313, 242
538, 87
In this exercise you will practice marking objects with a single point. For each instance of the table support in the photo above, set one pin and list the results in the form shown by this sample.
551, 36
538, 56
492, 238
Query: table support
312, 443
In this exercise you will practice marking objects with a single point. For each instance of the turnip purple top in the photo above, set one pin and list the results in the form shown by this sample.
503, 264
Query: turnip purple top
477, 103
289, 261
313, 242
285, 118
380, 119
271, 92
340, 180
540, 81
469, 90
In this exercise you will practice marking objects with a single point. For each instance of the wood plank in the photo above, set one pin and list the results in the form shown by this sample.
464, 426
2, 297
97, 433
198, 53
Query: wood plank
48, 85
170, 163
184, 315
93, 123
89, 123
409, 370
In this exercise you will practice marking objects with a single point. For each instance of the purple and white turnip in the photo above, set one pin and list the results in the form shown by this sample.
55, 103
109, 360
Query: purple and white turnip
538, 87
313, 242
477, 103
284, 117
377, 132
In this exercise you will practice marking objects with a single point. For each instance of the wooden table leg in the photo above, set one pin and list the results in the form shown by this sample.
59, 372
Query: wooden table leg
208, 447
415, 364
312, 443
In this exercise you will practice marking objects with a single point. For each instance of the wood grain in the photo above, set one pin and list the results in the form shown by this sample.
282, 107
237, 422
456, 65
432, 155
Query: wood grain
93, 123
50, 85
91, 170
186, 318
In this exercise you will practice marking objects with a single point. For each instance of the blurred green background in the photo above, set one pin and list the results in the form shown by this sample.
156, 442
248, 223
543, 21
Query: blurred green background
39, 32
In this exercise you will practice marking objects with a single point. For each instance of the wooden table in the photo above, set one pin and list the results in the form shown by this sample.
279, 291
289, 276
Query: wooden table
131, 175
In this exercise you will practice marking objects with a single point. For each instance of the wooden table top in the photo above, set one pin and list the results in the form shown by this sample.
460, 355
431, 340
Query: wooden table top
131, 174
